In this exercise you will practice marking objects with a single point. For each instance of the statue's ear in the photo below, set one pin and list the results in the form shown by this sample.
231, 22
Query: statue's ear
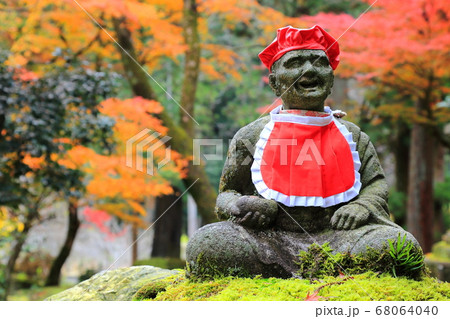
332, 84
274, 84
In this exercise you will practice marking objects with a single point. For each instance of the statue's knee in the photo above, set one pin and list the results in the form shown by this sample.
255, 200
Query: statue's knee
379, 238
221, 244
203, 240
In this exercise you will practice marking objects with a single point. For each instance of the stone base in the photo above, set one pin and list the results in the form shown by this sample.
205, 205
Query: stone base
228, 249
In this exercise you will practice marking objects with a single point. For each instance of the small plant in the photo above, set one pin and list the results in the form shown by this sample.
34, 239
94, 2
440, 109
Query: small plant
407, 259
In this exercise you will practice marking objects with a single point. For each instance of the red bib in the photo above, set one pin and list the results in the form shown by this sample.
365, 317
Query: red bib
306, 161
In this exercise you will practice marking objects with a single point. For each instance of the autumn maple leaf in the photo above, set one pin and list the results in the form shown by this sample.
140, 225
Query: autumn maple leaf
313, 297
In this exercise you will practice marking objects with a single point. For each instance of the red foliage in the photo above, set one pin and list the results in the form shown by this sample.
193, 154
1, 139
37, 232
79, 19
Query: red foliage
313, 297
401, 44
101, 220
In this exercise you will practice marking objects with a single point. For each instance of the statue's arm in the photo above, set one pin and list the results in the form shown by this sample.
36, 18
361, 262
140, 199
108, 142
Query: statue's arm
235, 174
371, 203
238, 199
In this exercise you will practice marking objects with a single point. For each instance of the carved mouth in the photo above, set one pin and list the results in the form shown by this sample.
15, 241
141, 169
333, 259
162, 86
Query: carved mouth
306, 83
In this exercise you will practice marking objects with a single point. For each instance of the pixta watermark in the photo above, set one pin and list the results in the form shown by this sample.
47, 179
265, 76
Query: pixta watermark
144, 144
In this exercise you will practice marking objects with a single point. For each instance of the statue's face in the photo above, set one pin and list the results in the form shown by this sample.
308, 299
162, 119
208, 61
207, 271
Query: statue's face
303, 79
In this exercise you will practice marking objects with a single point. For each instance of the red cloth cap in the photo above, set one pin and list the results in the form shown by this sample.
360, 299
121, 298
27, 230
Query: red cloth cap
289, 39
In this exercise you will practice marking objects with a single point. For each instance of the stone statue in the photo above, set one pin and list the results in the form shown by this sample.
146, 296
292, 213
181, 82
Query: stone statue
335, 191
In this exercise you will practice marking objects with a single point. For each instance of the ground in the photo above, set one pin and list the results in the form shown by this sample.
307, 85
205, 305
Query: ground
367, 286
36, 293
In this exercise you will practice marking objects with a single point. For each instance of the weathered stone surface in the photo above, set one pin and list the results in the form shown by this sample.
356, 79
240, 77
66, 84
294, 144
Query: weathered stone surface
117, 284
231, 249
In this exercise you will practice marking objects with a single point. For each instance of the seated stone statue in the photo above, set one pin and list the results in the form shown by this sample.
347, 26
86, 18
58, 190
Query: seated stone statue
299, 176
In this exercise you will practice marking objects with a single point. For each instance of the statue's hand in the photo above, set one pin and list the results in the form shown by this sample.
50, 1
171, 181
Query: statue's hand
254, 212
349, 217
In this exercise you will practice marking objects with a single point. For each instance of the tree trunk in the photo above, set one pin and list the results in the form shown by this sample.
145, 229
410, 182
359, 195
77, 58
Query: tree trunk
439, 177
202, 191
401, 152
166, 242
134, 241
191, 66
54, 275
420, 188
17, 248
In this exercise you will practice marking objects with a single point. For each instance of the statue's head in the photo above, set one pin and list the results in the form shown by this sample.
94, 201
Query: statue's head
301, 62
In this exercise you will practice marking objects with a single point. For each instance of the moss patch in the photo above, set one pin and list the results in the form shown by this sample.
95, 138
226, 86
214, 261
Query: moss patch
151, 290
366, 286
209, 269
399, 258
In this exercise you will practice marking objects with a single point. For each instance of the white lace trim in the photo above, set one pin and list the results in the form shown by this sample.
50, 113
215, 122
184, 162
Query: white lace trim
292, 201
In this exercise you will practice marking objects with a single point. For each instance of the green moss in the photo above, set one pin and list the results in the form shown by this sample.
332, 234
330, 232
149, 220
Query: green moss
208, 269
151, 290
366, 286
399, 258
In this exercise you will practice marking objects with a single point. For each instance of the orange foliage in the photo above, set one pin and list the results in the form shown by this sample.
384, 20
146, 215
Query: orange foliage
33, 163
36, 28
111, 184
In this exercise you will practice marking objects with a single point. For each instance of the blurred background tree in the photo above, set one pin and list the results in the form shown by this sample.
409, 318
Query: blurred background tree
38, 115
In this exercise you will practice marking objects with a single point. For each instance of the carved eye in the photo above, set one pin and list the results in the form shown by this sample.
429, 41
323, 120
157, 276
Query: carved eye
293, 63
323, 61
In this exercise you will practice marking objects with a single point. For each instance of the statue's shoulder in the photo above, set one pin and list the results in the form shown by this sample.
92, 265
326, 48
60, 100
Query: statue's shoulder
358, 135
352, 127
252, 130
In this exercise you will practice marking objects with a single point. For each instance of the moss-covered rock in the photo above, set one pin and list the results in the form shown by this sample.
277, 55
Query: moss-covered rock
439, 259
366, 286
117, 284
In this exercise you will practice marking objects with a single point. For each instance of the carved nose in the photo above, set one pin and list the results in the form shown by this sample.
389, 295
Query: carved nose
308, 69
